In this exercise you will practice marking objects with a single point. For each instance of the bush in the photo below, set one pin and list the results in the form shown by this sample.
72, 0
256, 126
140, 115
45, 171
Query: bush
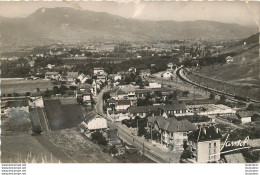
113, 150
186, 154
98, 136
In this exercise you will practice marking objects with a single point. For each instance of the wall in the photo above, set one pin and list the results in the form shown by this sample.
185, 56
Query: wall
203, 151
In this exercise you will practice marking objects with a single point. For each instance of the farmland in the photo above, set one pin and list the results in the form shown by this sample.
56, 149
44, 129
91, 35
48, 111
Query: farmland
15, 85
24, 148
79, 148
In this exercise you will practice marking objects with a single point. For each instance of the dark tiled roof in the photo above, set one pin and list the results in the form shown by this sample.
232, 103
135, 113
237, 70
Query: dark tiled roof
205, 134
172, 124
85, 86
142, 91
120, 92
174, 107
17, 103
124, 102
144, 109
90, 116
51, 73
113, 90
243, 114
111, 100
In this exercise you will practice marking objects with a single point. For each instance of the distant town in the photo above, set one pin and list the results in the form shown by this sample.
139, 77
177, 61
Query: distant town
91, 87
125, 102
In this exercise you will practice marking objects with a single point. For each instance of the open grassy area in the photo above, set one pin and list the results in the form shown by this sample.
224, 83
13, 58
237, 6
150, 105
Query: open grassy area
23, 148
79, 148
10, 86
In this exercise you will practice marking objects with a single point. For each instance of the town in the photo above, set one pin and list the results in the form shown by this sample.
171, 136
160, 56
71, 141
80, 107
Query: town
149, 113
188, 99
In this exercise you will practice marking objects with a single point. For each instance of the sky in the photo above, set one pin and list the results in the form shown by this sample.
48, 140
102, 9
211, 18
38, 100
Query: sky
243, 12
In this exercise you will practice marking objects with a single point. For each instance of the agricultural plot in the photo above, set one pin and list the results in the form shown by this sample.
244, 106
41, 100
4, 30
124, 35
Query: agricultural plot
10, 86
24, 148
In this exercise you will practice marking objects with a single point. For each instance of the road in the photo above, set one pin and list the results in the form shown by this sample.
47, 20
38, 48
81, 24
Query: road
154, 153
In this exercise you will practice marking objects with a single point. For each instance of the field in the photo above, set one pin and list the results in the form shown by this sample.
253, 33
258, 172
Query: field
24, 148
10, 86
79, 148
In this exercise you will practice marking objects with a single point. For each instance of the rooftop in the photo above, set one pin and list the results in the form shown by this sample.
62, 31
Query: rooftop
123, 102
172, 124
205, 134
144, 109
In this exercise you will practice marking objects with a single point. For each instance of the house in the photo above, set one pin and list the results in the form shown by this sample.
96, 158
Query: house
229, 59
142, 93
245, 116
50, 66
122, 105
99, 70
132, 69
167, 75
205, 144
72, 76
85, 95
143, 111
176, 109
52, 75
87, 87
115, 77
82, 78
154, 85
145, 73
93, 122
130, 90
171, 66
102, 77
174, 133
117, 93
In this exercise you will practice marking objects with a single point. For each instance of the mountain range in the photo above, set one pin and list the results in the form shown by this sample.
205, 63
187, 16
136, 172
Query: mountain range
66, 25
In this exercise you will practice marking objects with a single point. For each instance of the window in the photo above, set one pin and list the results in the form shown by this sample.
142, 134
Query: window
184, 134
209, 145
215, 144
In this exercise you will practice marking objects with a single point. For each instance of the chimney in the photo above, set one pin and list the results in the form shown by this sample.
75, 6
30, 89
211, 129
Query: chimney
216, 129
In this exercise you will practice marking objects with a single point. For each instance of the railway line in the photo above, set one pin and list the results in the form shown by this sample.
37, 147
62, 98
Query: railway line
232, 96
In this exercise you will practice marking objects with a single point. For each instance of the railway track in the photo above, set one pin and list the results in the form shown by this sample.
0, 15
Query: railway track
178, 74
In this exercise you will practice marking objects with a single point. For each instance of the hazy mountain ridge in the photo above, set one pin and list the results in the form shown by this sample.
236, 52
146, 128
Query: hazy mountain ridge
48, 25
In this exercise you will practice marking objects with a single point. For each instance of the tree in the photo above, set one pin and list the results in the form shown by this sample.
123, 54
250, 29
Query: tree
80, 100
251, 107
185, 93
113, 150
62, 89
211, 96
186, 154
222, 98
141, 130
98, 136
55, 90
106, 96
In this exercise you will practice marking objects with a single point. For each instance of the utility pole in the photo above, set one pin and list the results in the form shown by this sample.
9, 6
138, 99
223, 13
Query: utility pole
137, 127
151, 133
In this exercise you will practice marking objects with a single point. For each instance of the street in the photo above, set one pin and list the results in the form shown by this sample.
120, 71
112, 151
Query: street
155, 153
